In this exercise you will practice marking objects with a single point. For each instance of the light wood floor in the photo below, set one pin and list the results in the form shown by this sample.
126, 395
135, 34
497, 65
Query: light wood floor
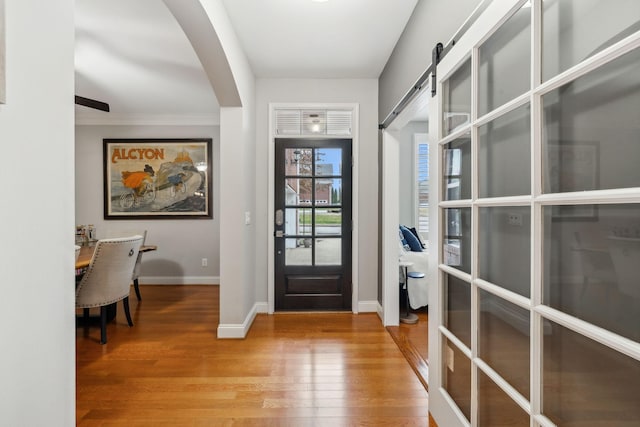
292, 370
413, 342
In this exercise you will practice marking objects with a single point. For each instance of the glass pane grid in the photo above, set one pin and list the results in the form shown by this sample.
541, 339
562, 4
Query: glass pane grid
456, 368
313, 206
504, 155
503, 340
600, 248
503, 293
498, 405
585, 382
504, 62
298, 162
565, 21
535, 205
582, 152
457, 99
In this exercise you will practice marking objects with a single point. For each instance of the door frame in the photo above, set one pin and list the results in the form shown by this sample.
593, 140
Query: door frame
322, 277
390, 219
355, 150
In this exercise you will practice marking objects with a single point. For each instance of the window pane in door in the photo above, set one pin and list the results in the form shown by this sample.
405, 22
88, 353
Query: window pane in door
592, 129
328, 191
457, 308
504, 158
298, 161
328, 162
586, 383
298, 251
574, 30
328, 222
495, 408
504, 247
328, 251
457, 238
456, 376
457, 169
297, 222
457, 99
298, 191
592, 264
504, 340
505, 63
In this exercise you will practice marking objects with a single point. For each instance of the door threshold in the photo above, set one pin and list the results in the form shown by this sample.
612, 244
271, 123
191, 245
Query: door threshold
314, 312
408, 350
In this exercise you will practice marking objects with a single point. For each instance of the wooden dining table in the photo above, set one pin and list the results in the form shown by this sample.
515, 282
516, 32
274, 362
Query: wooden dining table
86, 253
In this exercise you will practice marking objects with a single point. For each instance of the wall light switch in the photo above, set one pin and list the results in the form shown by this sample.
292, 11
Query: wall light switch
515, 219
247, 218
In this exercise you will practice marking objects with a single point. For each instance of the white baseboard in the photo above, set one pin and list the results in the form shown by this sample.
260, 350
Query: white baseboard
179, 280
380, 311
368, 306
239, 331
262, 307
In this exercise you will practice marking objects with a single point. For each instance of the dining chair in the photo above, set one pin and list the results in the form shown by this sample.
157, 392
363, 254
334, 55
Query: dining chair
136, 269
108, 278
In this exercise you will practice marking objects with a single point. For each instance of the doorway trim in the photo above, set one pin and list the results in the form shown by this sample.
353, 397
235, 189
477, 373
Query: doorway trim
355, 134
391, 205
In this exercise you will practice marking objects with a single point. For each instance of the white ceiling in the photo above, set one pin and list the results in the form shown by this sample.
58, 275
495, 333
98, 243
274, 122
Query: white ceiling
333, 39
134, 56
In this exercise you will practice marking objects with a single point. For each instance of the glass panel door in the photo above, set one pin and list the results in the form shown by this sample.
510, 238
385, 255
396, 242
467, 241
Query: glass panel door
313, 239
538, 130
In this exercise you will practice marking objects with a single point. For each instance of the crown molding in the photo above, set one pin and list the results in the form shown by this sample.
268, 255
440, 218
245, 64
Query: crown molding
111, 119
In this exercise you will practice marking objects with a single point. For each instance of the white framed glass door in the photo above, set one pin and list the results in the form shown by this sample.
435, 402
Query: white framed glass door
535, 221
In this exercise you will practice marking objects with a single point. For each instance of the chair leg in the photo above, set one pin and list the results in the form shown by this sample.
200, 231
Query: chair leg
103, 325
125, 303
137, 289
85, 315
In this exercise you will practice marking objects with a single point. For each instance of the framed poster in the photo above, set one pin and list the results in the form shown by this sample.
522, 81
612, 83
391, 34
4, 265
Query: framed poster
157, 178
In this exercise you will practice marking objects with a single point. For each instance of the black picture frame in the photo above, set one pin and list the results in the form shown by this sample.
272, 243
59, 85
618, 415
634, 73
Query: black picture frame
157, 178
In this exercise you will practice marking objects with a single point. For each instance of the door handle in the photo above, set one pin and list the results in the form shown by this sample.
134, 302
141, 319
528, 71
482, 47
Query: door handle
279, 233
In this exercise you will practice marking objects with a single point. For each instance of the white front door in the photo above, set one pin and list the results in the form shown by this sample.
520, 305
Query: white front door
536, 222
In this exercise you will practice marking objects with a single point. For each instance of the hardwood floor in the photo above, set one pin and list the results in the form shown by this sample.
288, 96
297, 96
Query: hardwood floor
413, 342
334, 369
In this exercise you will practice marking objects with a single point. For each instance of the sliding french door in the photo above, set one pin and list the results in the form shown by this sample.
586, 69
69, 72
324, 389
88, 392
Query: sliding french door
536, 130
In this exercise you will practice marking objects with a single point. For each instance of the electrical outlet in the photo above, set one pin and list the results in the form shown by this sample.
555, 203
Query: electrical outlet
449, 357
205, 262
515, 219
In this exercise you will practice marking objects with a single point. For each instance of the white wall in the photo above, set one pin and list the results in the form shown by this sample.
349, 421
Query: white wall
431, 22
37, 316
181, 243
363, 92
237, 180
